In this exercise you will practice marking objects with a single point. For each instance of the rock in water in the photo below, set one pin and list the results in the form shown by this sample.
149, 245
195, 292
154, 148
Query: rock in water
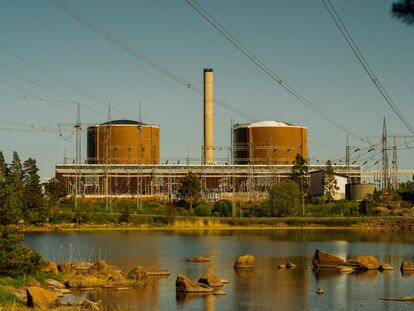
246, 261
211, 280
185, 285
345, 269
290, 264
407, 266
50, 267
153, 271
41, 298
320, 291
364, 262
325, 260
281, 266
137, 274
385, 267
198, 259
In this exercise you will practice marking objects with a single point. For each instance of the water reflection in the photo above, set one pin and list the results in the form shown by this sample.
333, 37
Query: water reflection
263, 288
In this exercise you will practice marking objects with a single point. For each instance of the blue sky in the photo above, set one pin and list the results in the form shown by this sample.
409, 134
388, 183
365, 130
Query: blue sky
296, 39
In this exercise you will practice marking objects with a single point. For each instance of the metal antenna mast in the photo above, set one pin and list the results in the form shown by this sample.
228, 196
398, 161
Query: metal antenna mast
78, 131
385, 172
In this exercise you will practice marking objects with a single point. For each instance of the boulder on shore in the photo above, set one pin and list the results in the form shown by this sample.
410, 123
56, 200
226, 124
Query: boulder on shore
54, 283
50, 267
246, 261
211, 280
41, 298
184, 284
325, 260
65, 267
407, 266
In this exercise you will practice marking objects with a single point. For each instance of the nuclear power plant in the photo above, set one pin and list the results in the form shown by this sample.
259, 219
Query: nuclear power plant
123, 159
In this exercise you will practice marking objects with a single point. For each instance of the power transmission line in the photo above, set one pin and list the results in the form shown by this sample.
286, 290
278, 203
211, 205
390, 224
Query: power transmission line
374, 39
137, 54
58, 79
46, 88
362, 60
36, 96
262, 66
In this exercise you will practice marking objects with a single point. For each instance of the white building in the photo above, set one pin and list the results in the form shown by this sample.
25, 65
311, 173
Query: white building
317, 188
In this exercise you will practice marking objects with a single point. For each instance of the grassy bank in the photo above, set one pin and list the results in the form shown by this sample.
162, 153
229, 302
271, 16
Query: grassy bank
156, 222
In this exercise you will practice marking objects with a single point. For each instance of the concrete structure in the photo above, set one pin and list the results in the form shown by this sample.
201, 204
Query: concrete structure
123, 142
269, 142
162, 181
317, 188
358, 192
208, 147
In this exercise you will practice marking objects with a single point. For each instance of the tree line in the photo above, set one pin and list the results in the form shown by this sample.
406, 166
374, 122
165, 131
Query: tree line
21, 197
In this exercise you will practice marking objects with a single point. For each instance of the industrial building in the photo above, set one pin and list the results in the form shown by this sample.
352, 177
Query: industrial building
123, 142
123, 159
269, 142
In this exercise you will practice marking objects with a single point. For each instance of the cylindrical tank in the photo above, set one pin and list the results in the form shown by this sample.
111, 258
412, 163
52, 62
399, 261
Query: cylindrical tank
208, 154
269, 142
358, 192
123, 142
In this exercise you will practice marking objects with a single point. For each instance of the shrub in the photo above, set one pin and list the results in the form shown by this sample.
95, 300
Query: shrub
202, 210
284, 198
223, 208
16, 258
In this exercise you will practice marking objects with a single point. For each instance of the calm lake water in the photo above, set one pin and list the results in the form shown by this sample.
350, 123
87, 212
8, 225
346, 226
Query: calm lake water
264, 288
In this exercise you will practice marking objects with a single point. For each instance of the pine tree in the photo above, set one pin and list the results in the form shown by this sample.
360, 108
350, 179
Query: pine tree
34, 203
330, 184
190, 190
11, 196
3, 170
299, 175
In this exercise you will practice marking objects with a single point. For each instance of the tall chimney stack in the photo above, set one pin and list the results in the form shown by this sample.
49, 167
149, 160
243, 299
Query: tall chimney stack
208, 148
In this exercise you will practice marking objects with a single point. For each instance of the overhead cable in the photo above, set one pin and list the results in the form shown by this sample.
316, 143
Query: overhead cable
363, 61
139, 55
262, 66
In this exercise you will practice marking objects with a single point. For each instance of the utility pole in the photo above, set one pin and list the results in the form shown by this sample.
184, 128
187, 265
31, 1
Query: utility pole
348, 157
385, 172
395, 180
78, 132
108, 161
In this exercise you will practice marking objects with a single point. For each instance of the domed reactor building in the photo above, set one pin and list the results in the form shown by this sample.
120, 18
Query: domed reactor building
123, 142
269, 143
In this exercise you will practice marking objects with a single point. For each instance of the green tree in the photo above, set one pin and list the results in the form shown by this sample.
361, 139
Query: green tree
284, 198
35, 209
55, 190
4, 171
299, 175
16, 258
404, 10
329, 182
11, 196
190, 190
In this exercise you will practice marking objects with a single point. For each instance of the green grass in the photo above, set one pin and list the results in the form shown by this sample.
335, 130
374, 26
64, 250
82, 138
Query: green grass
8, 299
